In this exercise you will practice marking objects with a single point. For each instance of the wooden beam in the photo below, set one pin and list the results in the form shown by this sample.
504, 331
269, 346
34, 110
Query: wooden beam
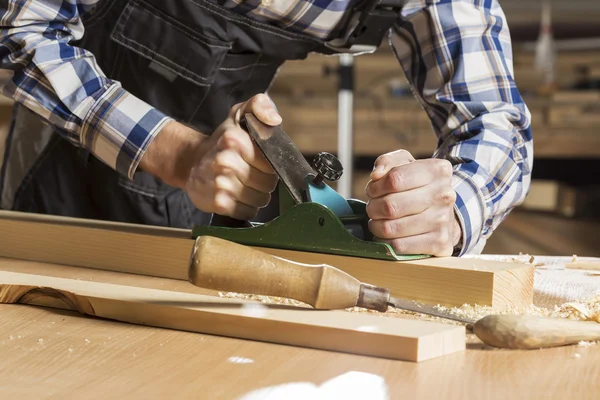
165, 252
341, 331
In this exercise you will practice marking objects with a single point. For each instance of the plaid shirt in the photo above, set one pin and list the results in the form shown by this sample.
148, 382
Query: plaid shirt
456, 54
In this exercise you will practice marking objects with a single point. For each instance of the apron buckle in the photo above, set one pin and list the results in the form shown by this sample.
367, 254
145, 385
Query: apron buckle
367, 26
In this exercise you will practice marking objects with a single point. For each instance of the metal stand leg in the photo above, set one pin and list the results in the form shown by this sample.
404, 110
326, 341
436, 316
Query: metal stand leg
345, 122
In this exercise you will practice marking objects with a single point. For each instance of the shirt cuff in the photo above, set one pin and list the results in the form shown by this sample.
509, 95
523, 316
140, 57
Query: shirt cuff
469, 210
119, 127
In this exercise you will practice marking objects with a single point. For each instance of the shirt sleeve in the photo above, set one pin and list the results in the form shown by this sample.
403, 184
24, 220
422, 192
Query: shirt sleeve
457, 56
40, 69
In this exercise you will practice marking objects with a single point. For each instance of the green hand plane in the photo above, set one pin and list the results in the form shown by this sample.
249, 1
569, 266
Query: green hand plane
313, 217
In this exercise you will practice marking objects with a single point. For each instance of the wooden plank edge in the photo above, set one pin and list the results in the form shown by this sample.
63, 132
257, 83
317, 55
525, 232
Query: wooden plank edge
165, 252
339, 331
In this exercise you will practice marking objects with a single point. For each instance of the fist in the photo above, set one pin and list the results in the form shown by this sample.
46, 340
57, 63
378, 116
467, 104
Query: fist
411, 204
230, 176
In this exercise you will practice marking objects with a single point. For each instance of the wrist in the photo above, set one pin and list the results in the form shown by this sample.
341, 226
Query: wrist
171, 154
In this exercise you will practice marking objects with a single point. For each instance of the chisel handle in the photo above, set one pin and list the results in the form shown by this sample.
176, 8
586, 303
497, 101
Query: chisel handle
533, 332
222, 265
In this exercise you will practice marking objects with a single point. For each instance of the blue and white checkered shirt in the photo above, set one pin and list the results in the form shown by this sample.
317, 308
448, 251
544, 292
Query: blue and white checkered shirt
456, 54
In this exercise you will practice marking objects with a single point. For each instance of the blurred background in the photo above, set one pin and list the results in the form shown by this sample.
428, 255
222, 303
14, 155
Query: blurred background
557, 68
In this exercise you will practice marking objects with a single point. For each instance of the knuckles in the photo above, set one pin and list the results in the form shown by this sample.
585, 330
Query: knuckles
446, 197
383, 209
441, 244
442, 167
221, 162
229, 140
395, 180
384, 229
221, 203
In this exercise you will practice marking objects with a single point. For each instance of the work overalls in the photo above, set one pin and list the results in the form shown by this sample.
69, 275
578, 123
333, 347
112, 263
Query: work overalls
191, 59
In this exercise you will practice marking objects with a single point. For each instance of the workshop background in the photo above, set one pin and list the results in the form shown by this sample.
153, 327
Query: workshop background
559, 77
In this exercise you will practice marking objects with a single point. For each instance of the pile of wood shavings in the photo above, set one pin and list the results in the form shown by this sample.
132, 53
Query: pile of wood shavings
588, 310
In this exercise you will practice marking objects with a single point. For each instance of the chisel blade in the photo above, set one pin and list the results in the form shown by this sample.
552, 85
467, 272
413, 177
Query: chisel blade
413, 306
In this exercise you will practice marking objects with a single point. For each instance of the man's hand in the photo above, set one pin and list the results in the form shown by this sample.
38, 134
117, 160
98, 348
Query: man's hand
224, 173
411, 204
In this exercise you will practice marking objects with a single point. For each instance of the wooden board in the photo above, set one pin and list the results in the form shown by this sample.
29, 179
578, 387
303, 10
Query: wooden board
342, 331
165, 252
54, 354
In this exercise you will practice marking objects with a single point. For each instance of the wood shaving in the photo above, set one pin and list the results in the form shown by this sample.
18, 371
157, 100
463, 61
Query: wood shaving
588, 310
522, 258
586, 344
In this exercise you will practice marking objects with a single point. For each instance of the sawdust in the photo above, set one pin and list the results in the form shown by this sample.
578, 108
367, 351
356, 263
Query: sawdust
265, 299
522, 258
585, 310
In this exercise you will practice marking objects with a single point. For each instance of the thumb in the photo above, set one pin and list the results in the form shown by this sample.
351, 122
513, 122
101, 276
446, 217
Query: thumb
383, 164
263, 108
379, 171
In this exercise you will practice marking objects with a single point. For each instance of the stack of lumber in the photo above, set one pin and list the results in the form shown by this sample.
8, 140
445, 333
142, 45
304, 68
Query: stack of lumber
138, 274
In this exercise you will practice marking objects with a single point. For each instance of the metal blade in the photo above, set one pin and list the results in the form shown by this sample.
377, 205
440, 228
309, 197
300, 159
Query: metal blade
410, 305
283, 155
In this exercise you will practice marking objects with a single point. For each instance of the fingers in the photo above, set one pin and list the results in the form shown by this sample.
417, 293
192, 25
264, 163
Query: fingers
437, 244
229, 162
236, 139
261, 106
384, 163
224, 204
410, 176
402, 204
431, 220
240, 192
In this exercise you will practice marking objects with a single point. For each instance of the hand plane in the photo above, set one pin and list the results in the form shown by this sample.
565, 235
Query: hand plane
312, 216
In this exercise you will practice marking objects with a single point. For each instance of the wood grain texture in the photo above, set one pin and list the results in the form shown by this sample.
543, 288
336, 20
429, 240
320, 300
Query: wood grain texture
165, 252
54, 354
342, 331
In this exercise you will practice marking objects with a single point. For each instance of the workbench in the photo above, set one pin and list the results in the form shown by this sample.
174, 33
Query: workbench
50, 353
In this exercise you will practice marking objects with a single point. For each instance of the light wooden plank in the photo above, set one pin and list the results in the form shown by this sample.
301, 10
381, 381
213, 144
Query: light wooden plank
341, 331
165, 252
90, 358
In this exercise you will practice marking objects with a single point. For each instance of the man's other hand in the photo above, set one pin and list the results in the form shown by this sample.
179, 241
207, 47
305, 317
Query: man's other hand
411, 204
224, 173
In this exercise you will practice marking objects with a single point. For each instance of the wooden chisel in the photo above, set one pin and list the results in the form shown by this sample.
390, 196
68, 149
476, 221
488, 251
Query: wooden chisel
223, 265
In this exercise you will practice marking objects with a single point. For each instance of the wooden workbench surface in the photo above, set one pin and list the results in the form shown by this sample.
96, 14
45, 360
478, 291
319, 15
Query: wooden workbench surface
48, 353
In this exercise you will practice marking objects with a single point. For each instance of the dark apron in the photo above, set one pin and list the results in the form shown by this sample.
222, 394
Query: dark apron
191, 59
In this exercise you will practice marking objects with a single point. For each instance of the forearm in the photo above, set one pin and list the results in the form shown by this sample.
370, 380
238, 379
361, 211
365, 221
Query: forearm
457, 56
64, 86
